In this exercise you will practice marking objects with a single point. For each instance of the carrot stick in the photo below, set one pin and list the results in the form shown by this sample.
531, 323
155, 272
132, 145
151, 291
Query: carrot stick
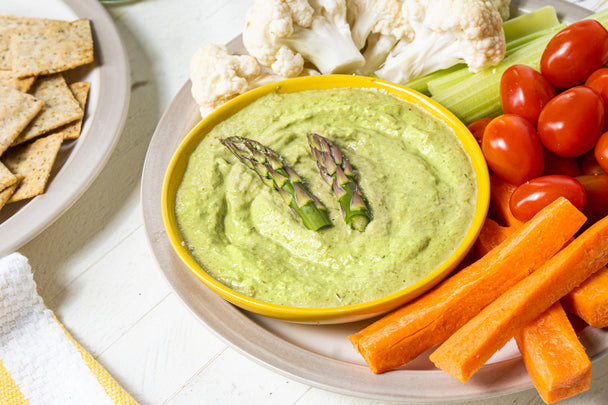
589, 301
554, 357
463, 353
402, 335
500, 195
490, 236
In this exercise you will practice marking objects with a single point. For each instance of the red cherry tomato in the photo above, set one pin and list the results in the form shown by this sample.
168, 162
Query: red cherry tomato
478, 127
590, 166
524, 91
598, 81
571, 122
596, 188
555, 164
574, 53
534, 195
512, 149
601, 151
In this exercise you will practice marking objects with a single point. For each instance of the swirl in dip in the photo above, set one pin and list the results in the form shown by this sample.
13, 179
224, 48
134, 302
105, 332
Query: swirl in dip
417, 178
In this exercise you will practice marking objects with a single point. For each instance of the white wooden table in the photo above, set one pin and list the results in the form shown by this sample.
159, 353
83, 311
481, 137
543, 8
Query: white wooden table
94, 267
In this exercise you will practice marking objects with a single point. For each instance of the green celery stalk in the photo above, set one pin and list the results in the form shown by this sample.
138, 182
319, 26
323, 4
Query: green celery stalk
420, 84
529, 23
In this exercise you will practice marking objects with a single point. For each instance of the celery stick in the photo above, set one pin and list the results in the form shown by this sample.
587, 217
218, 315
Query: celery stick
526, 24
420, 84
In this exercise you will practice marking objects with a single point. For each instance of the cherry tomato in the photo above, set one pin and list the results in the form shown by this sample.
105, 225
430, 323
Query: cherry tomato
571, 122
596, 188
574, 53
555, 164
601, 151
598, 81
590, 166
478, 127
524, 91
512, 149
534, 195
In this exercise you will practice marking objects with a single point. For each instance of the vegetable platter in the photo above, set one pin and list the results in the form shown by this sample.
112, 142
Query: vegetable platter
322, 356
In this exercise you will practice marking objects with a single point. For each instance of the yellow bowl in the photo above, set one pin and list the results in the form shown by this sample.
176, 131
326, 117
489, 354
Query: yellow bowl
178, 164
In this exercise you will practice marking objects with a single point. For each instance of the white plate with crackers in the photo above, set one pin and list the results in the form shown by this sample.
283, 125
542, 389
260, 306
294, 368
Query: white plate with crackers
64, 96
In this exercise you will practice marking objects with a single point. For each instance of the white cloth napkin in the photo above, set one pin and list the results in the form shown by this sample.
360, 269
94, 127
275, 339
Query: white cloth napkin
35, 350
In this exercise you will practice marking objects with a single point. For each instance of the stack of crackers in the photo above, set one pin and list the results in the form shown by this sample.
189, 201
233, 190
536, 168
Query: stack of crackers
39, 109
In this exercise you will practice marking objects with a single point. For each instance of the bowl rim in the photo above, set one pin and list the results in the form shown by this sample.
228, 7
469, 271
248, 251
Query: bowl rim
354, 312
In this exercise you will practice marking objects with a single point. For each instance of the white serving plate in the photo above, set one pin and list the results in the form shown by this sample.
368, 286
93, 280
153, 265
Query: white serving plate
79, 161
321, 356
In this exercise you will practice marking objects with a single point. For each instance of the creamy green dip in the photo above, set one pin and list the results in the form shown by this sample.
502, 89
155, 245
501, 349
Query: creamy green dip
418, 181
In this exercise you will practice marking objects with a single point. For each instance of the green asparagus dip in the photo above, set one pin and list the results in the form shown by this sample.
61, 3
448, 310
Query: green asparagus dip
417, 179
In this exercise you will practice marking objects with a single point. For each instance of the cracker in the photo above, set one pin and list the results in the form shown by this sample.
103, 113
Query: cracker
17, 110
60, 107
81, 92
7, 193
53, 47
34, 162
8, 25
8, 78
7, 178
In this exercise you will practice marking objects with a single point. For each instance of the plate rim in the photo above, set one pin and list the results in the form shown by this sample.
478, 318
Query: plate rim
270, 350
105, 128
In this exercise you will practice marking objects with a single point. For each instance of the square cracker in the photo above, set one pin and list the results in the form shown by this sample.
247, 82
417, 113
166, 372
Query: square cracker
8, 78
81, 92
54, 47
60, 107
7, 178
8, 25
17, 110
34, 162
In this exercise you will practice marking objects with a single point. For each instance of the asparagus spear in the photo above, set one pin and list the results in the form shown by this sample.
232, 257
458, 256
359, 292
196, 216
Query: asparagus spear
275, 174
337, 171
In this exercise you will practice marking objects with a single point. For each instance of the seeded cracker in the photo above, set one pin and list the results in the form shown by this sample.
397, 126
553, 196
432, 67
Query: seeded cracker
8, 25
81, 92
60, 107
8, 78
33, 161
6, 177
6, 194
54, 47
17, 110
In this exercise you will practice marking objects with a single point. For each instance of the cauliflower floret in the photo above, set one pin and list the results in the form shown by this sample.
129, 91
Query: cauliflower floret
376, 27
282, 34
218, 76
447, 32
377, 16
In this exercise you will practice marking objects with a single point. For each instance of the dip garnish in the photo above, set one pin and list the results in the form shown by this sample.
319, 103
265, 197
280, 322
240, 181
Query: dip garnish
337, 171
275, 174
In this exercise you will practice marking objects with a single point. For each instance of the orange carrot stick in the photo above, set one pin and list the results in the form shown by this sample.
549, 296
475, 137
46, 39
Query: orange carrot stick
500, 195
589, 301
490, 236
402, 335
463, 353
554, 357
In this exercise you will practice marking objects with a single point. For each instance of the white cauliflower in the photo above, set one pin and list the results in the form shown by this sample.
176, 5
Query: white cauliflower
376, 26
218, 76
447, 32
282, 34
